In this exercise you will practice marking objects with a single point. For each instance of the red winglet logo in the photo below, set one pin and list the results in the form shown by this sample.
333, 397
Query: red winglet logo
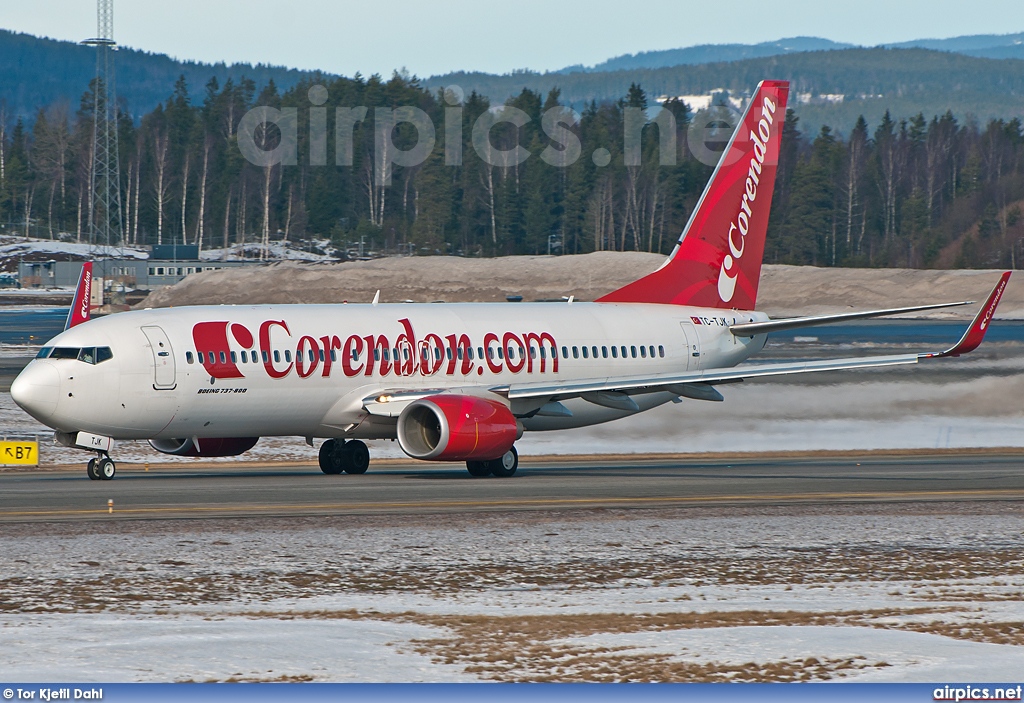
80, 306
979, 326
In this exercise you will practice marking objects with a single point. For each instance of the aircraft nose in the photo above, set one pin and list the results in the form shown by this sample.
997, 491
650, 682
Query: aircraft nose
36, 389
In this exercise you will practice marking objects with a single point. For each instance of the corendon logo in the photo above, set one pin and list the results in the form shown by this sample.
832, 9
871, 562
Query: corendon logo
225, 350
996, 296
83, 309
741, 223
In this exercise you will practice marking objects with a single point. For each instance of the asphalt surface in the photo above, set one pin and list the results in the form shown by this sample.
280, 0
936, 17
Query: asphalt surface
190, 492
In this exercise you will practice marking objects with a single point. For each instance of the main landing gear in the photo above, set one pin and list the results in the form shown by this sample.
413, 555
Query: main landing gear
502, 467
101, 468
338, 456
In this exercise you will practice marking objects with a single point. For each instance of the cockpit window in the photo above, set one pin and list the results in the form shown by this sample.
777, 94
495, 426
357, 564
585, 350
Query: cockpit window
90, 355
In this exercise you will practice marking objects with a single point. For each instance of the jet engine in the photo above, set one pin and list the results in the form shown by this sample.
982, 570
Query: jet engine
452, 427
205, 446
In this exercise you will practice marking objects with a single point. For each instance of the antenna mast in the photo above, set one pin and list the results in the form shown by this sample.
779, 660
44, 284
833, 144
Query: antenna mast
105, 197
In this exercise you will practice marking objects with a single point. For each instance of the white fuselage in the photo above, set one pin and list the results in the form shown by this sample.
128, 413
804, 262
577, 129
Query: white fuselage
305, 370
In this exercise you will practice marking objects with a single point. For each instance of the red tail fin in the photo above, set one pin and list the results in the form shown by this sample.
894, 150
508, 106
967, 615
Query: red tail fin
79, 311
717, 261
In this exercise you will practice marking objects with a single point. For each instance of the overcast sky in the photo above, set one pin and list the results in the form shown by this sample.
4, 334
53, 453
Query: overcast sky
433, 38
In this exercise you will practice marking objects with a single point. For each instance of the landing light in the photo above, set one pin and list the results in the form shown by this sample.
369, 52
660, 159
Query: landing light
384, 399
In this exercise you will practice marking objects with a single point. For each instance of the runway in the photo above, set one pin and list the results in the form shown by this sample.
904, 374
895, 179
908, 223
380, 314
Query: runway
211, 491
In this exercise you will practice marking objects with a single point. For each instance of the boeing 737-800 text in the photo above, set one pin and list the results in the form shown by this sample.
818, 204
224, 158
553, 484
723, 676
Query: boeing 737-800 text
450, 382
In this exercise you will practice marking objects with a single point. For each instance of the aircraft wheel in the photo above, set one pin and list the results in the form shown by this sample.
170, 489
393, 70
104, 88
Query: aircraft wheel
330, 457
90, 469
105, 468
356, 457
479, 469
505, 466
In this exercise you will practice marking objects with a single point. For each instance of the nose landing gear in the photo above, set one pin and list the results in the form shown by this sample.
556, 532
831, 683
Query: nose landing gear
101, 469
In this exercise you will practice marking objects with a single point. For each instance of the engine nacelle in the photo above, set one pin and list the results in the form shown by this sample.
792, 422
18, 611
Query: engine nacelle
205, 447
450, 427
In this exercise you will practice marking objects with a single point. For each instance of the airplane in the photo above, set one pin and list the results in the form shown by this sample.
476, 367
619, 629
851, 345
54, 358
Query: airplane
451, 382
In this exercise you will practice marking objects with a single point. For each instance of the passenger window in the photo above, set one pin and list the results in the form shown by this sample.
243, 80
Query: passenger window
188, 358
522, 353
387, 355
266, 357
287, 355
312, 356
500, 353
334, 355
376, 354
533, 352
490, 352
542, 354
586, 355
460, 353
277, 356
565, 352
448, 353
469, 350
321, 353
651, 351
480, 352
623, 348
593, 351
223, 358
661, 351
575, 352
234, 358
615, 352
604, 352
254, 357
643, 352
632, 352
245, 357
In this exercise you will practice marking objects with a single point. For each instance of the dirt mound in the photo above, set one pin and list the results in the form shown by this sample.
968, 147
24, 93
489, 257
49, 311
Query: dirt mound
784, 290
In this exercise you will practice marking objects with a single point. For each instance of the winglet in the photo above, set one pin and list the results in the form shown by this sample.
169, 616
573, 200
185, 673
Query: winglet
80, 306
979, 326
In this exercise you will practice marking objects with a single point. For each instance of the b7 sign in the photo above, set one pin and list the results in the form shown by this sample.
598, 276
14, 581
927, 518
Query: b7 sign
18, 453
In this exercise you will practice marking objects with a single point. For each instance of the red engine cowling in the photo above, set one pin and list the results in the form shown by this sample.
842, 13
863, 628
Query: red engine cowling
452, 427
205, 446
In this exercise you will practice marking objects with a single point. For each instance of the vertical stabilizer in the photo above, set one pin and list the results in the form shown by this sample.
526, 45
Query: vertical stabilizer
717, 261
80, 306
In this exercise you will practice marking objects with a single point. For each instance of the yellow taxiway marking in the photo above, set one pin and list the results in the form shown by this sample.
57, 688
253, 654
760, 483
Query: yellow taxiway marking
527, 503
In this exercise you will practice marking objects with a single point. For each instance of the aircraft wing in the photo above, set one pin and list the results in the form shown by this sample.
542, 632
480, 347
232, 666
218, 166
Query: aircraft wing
749, 329
666, 382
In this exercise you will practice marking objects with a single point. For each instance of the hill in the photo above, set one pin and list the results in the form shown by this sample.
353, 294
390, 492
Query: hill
784, 290
39, 72
867, 81
991, 46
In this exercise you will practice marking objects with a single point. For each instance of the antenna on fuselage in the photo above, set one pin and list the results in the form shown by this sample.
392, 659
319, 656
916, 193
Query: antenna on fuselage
376, 298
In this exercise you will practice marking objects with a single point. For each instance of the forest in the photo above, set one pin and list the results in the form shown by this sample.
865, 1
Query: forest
919, 191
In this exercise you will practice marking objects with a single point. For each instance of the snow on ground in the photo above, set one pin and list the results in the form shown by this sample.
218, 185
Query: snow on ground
104, 648
884, 592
